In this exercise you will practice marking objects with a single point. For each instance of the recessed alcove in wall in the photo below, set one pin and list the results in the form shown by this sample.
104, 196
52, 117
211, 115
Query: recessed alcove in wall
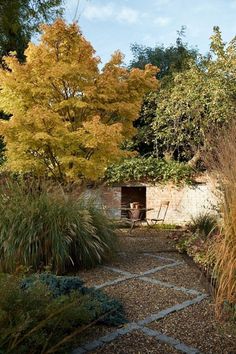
131, 195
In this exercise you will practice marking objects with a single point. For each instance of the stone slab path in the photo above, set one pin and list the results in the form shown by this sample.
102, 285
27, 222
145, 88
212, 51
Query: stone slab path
153, 287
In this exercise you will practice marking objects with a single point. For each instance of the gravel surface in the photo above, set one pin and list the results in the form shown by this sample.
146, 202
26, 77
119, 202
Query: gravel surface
97, 276
136, 343
143, 241
181, 276
196, 326
141, 299
176, 256
136, 263
92, 333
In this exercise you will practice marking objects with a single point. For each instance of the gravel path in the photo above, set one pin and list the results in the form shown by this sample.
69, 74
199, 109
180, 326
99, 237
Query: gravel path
165, 300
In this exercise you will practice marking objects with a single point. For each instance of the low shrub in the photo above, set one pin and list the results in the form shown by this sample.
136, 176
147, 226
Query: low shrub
204, 224
58, 285
198, 249
65, 285
51, 229
149, 169
43, 314
199, 241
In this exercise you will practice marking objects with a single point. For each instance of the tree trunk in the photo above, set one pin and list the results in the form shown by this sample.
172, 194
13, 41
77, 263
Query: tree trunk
194, 160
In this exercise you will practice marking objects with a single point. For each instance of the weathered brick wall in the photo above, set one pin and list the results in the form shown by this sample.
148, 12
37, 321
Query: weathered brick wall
106, 197
185, 201
111, 197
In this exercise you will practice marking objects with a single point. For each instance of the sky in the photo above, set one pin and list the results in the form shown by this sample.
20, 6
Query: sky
116, 24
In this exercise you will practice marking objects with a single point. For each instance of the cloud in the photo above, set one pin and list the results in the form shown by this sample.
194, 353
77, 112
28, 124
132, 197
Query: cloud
111, 12
128, 14
93, 12
162, 21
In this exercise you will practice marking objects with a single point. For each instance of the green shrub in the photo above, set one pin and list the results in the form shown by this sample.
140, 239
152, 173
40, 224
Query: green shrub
50, 229
198, 249
199, 241
58, 285
204, 224
33, 320
65, 285
149, 169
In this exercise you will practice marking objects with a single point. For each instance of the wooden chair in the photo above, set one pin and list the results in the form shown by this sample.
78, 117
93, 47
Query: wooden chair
135, 216
164, 205
127, 217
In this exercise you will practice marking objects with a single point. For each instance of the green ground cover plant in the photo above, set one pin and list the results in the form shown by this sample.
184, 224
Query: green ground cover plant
41, 228
163, 226
43, 313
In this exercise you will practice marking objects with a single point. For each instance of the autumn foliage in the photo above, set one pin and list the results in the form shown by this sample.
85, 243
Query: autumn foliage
68, 117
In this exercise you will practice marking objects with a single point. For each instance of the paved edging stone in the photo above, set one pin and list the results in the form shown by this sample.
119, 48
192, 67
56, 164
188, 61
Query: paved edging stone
171, 286
170, 341
167, 311
141, 324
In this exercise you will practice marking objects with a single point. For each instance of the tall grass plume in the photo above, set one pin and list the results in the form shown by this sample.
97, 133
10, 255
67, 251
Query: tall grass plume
222, 161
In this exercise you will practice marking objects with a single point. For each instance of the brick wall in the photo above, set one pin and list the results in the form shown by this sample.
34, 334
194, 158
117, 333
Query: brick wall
106, 197
185, 202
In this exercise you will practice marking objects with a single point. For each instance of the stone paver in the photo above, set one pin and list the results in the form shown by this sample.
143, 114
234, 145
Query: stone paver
125, 276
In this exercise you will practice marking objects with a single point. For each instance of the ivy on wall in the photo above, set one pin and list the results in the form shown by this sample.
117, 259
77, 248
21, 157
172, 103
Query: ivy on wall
149, 169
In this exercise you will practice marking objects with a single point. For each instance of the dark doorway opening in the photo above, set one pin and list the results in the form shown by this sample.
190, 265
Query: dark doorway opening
132, 195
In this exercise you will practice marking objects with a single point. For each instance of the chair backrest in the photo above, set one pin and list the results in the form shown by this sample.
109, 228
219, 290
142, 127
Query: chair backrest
134, 214
164, 205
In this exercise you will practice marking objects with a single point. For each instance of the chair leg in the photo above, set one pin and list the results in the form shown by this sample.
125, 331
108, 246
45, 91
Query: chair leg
149, 226
132, 226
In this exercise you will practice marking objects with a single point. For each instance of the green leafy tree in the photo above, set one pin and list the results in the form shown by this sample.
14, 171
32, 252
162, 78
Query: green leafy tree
201, 98
20, 19
170, 60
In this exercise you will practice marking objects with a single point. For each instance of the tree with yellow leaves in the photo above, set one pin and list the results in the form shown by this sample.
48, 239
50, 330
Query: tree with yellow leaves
68, 117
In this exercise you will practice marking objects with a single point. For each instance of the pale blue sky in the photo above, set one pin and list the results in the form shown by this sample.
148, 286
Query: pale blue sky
111, 25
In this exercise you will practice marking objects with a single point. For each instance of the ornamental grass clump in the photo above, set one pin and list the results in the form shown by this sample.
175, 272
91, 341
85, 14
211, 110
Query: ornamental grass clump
204, 224
222, 160
41, 228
